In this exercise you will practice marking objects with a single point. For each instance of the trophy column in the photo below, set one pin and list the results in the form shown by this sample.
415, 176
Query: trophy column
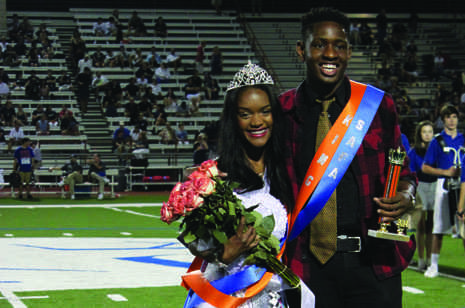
396, 160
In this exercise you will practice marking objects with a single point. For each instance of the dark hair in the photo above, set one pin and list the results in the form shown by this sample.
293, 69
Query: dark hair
447, 110
421, 150
231, 144
320, 14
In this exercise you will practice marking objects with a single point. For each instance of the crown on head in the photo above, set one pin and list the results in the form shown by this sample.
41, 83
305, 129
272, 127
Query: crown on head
250, 75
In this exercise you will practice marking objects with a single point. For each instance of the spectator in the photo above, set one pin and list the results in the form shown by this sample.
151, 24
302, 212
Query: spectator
52, 116
200, 56
183, 110
131, 89
72, 175
355, 33
144, 70
26, 29
121, 146
142, 82
167, 134
83, 83
174, 60
23, 163
201, 151
100, 28
97, 172
181, 134
425, 192
410, 69
15, 137
37, 114
32, 86
365, 34
142, 123
13, 28
69, 125
136, 25
98, 58
439, 65
51, 81
216, 62
112, 28
153, 58
33, 56
19, 82
212, 89
21, 116
381, 25
64, 110
110, 59
192, 90
85, 62
161, 30
44, 90
145, 106
43, 126
77, 49
131, 110
8, 113
122, 57
110, 104
124, 130
99, 84
64, 81
149, 96
171, 106
135, 132
162, 73
160, 117
4, 89
156, 90
141, 146
37, 160
10, 57
440, 163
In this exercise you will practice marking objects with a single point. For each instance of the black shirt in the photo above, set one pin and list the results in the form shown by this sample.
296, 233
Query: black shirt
347, 193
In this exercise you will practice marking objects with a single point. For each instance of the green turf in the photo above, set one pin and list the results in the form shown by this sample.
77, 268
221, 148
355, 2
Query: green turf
162, 297
84, 222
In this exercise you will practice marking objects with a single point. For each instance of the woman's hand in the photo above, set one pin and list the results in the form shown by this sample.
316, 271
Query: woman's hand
245, 239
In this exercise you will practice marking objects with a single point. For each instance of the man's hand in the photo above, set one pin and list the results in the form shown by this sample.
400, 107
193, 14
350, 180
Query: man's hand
391, 209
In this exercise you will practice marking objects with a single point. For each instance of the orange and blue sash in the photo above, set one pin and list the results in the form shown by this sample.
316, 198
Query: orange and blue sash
335, 154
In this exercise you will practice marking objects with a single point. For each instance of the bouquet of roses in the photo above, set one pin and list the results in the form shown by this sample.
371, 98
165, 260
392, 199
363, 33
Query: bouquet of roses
211, 214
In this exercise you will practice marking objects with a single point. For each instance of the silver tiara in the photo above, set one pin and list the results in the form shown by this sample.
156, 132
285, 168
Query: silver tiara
251, 74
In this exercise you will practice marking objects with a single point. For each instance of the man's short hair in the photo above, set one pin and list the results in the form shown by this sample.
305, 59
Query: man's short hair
447, 110
320, 14
25, 139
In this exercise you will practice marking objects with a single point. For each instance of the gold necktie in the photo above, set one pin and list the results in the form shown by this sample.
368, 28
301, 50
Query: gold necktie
323, 228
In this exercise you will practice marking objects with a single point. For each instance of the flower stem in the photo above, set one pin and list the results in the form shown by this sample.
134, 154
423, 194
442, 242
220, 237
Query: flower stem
283, 271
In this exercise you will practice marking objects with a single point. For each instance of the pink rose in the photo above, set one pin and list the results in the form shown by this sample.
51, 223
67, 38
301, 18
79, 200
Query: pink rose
204, 185
167, 214
192, 200
209, 167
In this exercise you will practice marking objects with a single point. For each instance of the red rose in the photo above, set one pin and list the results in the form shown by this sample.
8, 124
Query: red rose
167, 214
209, 167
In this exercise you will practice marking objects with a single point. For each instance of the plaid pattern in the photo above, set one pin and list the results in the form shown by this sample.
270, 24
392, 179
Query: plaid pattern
370, 164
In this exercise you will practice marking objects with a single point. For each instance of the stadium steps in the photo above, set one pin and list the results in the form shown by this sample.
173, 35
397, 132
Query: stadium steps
96, 128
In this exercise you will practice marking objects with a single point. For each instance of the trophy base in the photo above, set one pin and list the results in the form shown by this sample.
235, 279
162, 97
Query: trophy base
388, 235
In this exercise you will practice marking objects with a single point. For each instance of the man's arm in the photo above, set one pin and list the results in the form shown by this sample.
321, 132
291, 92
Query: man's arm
461, 204
451, 172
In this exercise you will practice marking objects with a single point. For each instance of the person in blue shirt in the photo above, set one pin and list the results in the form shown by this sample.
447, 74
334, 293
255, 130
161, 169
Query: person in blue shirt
24, 163
439, 163
425, 192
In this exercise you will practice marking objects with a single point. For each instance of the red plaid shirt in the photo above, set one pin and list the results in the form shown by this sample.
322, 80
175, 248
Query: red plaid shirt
388, 257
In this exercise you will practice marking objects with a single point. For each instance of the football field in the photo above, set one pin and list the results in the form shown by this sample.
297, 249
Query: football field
56, 253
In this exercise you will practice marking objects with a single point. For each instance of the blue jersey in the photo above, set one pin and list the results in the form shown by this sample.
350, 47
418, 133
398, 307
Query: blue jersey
416, 161
24, 158
436, 157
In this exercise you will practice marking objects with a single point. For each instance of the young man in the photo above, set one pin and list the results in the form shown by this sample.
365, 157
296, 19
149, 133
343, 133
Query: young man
350, 269
24, 163
97, 172
441, 164
73, 174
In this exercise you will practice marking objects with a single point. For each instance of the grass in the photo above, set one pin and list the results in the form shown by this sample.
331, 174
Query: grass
143, 222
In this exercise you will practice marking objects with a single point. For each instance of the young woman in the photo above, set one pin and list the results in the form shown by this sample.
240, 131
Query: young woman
251, 151
425, 192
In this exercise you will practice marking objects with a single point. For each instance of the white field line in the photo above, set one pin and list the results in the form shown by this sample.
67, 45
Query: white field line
30, 297
117, 297
12, 299
132, 212
413, 290
81, 205
414, 268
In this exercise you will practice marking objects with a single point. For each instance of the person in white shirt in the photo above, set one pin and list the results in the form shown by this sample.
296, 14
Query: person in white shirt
173, 60
162, 74
100, 28
15, 136
85, 62
99, 83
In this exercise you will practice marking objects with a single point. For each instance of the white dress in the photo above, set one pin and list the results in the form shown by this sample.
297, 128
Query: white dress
268, 205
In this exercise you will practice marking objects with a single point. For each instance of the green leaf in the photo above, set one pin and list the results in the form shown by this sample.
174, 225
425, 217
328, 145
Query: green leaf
220, 236
189, 237
268, 223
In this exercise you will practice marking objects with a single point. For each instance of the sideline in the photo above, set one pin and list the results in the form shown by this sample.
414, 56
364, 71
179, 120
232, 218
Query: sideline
29, 206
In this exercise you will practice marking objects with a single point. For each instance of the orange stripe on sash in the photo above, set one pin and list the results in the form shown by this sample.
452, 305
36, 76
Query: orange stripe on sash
329, 145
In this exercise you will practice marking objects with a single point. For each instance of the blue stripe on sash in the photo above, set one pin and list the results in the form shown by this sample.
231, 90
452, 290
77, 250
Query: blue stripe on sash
341, 159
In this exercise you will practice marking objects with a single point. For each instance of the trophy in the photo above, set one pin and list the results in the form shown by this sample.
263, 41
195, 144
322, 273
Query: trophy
396, 160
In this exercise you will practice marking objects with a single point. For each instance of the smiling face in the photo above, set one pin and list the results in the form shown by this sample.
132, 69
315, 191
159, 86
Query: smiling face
254, 117
326, 51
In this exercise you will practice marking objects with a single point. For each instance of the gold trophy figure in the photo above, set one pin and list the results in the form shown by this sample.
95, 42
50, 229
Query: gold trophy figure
396, 160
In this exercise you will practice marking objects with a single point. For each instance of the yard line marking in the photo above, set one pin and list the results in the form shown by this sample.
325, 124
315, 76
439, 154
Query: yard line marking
132, 212
117, 297
414, 268
12, 299
413, 290
126, 233
67, 234
18, 206
30, 297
